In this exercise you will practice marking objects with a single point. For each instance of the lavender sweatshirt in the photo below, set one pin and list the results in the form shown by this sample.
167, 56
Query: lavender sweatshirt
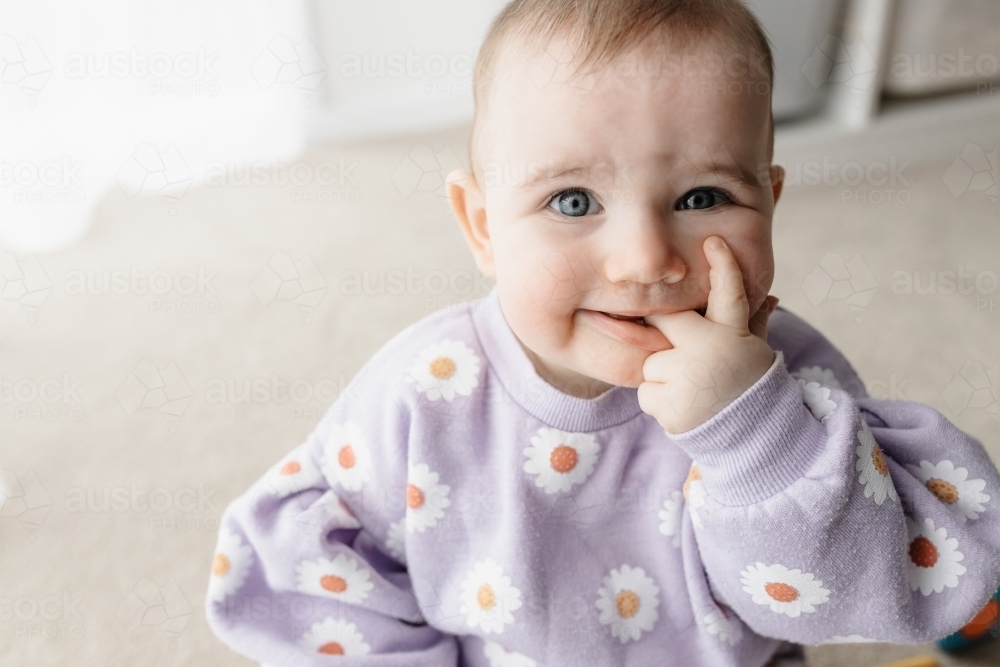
452, 508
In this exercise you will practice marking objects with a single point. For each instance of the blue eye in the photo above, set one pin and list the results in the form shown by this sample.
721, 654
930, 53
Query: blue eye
702, 198
574, 203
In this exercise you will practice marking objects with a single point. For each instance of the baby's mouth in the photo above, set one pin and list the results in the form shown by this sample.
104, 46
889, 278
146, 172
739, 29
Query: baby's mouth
626, 318
642, 320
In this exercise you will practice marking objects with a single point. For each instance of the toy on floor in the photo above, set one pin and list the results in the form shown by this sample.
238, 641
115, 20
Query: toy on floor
980, 629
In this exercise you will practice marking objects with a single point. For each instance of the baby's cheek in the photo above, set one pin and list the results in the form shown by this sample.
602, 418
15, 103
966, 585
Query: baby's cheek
553, 283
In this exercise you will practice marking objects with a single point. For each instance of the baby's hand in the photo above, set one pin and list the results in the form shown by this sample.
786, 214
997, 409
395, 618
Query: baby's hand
714, 358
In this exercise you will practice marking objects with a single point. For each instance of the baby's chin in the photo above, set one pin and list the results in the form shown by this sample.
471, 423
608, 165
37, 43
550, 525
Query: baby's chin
622, 369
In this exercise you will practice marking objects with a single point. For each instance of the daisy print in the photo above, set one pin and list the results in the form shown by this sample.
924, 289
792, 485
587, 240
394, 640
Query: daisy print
488, 598
724, 625
425, 498
395, 542
500, 656
873, 468
346, 459
559, 459
788, 592
819, 375
445, 370
627, 600
335, 637
670, 517
340, 579
962, 496
817, 399
932, 562
292, 474
230, 566
694, 493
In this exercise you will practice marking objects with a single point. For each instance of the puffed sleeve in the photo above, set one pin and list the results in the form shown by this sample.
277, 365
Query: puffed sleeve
823, 515
308, 566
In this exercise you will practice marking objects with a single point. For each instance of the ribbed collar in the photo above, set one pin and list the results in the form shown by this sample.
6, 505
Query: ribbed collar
525, 387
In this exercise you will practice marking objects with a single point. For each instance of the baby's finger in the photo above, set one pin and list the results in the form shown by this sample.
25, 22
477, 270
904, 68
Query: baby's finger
727, 300
758, 323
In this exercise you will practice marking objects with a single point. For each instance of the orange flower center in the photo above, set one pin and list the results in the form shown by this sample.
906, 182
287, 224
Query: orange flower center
781, 592
944, 491
333, 648
627, 603
486, 597
220, 565
923, 553
442, 368
879, 461
414, 497
693, 475
563, 458
333, 583
345, 457
291, 468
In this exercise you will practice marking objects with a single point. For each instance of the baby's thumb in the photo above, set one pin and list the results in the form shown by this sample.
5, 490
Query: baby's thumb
758, 323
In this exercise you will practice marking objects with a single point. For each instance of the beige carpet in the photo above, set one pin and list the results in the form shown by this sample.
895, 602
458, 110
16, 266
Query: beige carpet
146, 388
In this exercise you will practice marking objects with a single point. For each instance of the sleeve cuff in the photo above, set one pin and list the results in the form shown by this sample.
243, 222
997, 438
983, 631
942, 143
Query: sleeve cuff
759, 444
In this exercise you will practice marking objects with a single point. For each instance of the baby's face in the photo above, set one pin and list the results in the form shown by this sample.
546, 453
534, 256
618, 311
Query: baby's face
596, 196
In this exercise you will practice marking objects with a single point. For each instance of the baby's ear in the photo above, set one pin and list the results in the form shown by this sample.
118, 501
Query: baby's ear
469, 207
777, 180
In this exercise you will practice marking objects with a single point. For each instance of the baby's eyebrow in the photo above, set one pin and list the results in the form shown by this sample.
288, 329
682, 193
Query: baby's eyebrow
735, 172
540, 177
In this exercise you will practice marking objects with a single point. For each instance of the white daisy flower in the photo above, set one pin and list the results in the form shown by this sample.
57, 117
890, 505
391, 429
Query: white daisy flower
851, 639
488, 598
873, 468
335, 637
445, 369
230, 565
292, 474
425, 498
500, 656
822, 376
932, 558
727, 627
695, 493
395, 542
789, 592
560, 459
346, 459
627, 601
817, 399
340, 579
962, 496
670, 517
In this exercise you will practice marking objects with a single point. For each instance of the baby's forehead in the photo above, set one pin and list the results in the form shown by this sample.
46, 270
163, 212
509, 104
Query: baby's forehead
543, 95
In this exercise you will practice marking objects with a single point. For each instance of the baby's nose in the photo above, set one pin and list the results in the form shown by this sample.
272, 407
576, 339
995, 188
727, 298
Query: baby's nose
643, 250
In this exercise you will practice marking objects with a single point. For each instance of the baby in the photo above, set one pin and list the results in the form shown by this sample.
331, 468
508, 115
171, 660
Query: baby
625, 454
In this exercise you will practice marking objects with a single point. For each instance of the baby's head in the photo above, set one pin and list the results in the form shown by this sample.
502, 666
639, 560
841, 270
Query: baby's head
611, 139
